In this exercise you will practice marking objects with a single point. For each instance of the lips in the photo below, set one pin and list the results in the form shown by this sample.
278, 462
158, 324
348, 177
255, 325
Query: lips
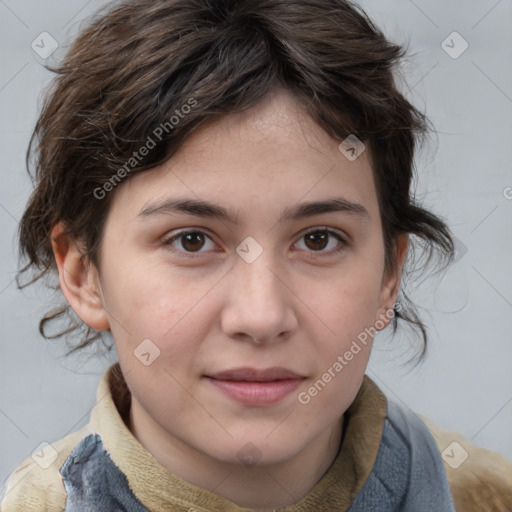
254, 387
254, 375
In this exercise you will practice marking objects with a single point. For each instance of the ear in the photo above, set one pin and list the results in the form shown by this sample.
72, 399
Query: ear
79, 280
391, 281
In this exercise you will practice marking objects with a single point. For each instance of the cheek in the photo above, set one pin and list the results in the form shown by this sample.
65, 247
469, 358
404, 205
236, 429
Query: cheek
347, 308
350, 302
342, 355
146, 300
333, 389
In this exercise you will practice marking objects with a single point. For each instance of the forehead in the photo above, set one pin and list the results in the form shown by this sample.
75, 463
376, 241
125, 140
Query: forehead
269, 157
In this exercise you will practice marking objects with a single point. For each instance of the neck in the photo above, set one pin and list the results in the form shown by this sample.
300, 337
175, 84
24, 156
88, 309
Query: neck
257, 487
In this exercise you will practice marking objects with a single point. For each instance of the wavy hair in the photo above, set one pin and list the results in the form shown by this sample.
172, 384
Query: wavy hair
138, 62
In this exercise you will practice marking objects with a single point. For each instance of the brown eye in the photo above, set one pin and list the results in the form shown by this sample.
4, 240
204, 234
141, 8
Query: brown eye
188, 242
317, 240
322, 241
192, 241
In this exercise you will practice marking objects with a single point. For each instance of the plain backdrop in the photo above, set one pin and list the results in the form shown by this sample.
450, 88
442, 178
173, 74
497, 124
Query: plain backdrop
465, 383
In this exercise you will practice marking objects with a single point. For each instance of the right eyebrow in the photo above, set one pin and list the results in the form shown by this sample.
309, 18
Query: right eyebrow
206, 209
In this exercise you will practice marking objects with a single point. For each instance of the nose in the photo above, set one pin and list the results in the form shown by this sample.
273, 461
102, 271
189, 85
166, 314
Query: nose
259, 306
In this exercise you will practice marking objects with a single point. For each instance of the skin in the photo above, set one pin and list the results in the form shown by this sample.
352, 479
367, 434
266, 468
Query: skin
298, 305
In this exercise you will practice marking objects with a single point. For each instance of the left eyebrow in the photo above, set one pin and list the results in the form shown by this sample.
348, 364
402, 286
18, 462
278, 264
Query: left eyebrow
299, 211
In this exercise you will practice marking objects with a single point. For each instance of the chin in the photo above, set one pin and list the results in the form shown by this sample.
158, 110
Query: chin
251, 451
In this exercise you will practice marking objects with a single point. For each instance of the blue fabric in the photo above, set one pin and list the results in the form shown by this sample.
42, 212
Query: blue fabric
94, 483
408, 474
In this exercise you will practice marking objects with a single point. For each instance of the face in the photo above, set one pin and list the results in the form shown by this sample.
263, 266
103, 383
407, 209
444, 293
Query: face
235, 279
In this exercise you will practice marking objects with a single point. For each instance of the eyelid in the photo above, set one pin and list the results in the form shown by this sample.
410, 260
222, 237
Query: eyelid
343, 239
333, 231
170, 239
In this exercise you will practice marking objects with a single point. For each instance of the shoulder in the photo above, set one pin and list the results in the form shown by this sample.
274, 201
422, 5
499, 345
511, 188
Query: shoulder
409, 463
36, 485
409, 433
478, 477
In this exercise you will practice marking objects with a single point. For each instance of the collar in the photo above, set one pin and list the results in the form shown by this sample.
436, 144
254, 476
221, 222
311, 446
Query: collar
157, 488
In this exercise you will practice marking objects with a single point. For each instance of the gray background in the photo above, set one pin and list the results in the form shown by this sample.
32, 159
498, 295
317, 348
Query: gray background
465, 384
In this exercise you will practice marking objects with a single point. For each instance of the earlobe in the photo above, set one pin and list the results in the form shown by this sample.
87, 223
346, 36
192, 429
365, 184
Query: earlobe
79, 280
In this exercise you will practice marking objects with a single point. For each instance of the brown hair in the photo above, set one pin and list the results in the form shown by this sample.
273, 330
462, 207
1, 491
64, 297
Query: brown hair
139, 62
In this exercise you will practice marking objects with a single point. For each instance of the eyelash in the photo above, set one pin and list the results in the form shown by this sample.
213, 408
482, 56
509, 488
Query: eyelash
342, 245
